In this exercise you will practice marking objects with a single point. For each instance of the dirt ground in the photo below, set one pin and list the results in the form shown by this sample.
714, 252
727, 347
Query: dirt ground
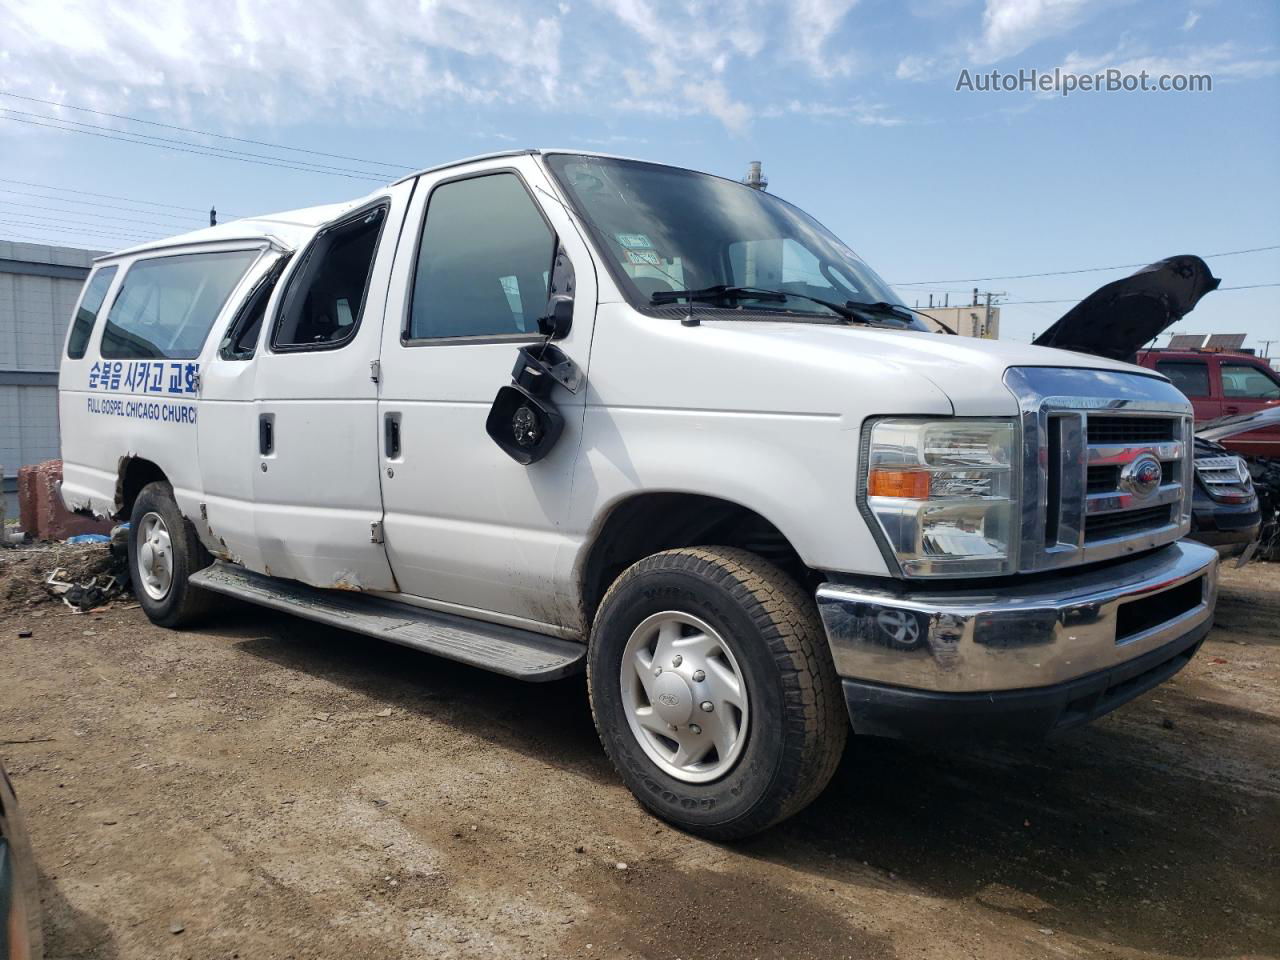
266, 788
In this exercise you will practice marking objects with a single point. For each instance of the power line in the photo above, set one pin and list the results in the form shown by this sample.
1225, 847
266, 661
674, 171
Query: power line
209, 133
42, 227
105, 196
1059, 273
72, 222
90, 213
24, 221
176, 149
144, 139
182, 218
74, 126
1244, 286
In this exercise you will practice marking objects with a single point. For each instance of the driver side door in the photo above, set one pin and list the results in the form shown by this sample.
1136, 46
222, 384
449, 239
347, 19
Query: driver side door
468, 529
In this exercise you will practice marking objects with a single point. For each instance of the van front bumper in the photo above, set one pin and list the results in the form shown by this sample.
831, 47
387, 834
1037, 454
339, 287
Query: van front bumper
1018, 660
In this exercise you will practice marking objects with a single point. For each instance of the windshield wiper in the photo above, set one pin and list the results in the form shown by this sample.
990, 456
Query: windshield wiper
884, 308
720, 291
724, 291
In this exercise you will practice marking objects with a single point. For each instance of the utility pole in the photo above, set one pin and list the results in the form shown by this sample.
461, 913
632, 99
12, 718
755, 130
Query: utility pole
1266, 348
213, 216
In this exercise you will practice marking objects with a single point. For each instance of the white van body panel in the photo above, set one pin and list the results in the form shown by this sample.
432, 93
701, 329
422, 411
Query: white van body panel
113, 410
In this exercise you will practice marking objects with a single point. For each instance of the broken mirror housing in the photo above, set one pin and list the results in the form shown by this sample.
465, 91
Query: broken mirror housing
523, 420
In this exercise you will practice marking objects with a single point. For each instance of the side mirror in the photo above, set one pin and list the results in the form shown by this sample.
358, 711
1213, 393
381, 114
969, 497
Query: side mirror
559, 317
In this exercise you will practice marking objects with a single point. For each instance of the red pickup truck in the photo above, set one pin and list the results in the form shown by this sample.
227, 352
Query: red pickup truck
1222, 385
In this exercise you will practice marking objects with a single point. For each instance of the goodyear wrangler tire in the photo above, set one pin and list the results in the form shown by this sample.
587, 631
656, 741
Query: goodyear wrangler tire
163, 553
713, 691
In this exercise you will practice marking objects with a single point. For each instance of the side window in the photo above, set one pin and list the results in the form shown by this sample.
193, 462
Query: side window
166, 305
1248, 382
87, 314
483, 261
322, 307
1189, 376
242, 333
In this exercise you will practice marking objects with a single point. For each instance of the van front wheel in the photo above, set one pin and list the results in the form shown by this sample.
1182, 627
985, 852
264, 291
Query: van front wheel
713, 691
163, 553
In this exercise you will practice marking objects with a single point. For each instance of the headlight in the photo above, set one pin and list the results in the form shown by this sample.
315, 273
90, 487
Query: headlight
942, 493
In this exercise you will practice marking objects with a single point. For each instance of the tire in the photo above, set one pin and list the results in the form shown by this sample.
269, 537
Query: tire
795, 723
171, 601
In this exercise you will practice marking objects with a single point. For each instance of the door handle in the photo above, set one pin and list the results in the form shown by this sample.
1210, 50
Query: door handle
391, 427
1231, 409
266, 434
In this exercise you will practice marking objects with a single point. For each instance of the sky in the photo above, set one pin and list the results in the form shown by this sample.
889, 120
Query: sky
851, 105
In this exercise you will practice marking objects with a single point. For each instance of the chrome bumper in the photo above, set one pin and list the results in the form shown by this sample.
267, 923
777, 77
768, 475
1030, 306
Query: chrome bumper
1034, 634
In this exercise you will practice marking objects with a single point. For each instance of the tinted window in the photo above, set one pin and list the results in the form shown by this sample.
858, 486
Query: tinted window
94, 293
242, 334
166, 306
1242, 380
325, 299
1189, 376
483, 262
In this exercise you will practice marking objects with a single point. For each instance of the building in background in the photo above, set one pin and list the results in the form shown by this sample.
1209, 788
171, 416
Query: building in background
977, 319
39, 286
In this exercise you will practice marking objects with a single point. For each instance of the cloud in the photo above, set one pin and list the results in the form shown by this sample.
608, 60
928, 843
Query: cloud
914, 68
811, 24
1222, 61
258, 61
1011, 26
1192, 19
859, 111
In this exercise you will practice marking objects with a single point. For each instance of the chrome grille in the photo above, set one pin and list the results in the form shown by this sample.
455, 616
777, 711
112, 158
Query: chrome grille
1091, 443
1108, 429
1113, 444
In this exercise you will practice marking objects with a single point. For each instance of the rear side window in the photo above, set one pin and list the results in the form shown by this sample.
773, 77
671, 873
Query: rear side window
1189, 376
1247, 381
325, 299
483, 263
87, 314
166, 305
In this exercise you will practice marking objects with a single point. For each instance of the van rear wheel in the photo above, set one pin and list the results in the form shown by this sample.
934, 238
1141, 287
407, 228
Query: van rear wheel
713, 691
163, 553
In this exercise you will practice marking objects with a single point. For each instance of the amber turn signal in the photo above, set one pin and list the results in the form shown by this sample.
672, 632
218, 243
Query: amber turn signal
908, 484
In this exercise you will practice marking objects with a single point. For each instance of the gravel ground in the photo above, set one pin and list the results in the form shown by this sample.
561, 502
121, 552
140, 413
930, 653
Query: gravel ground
263, 787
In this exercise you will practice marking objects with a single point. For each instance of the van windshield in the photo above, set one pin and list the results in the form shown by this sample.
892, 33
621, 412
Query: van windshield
664, 230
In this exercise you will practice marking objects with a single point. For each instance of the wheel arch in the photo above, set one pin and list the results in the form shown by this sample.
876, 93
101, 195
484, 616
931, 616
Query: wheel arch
648, 522
132, 474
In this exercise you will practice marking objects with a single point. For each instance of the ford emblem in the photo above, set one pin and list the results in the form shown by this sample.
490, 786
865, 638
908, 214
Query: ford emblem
1141, 476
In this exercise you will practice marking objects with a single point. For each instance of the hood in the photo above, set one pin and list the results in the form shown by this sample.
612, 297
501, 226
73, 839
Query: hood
1117, 319
968, 372
1227, 427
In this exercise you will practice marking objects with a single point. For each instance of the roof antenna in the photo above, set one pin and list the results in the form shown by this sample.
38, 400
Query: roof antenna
213, 216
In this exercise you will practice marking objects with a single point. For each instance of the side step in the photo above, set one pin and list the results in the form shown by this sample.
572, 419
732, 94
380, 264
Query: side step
507, 650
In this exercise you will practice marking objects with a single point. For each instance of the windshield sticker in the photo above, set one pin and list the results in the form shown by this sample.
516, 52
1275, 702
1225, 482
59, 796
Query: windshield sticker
632, 241
644, 258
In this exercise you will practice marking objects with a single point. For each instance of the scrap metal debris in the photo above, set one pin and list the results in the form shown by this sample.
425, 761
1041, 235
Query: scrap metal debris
101, 578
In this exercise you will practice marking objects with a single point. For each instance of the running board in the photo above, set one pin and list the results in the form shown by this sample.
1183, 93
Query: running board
506, 650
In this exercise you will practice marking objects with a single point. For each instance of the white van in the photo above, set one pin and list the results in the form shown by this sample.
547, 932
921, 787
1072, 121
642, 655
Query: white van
546, 412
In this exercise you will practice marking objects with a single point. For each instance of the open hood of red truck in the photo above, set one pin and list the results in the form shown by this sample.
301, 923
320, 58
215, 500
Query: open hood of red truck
1117, 319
